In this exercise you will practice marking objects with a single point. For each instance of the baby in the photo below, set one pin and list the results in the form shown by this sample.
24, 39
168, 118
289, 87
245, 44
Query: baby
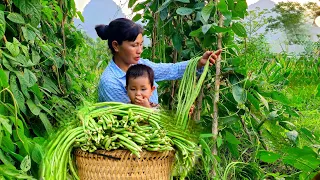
139, 85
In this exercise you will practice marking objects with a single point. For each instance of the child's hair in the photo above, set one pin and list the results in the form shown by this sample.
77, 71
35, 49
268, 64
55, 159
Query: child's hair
119, 30
139, 70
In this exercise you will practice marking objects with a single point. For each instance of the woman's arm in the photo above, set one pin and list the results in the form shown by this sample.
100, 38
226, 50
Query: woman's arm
166, 71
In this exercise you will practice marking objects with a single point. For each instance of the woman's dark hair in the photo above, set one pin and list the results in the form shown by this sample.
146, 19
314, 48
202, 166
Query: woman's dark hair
119, 30
139, 70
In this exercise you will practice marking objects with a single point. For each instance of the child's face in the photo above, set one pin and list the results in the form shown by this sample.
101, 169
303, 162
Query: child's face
139, 87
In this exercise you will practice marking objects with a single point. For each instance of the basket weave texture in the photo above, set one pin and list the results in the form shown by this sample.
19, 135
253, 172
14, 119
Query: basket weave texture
120, 165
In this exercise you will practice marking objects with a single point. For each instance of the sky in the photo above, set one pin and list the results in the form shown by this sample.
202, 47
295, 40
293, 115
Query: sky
123, 3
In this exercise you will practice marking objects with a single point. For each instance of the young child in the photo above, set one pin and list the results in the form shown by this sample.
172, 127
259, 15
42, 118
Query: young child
139, 85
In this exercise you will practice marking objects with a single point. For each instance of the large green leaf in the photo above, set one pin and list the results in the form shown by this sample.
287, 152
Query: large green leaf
28, 34
29, 77
32, 8
17, 94
222, 6
36, 91
177, 41
279, 97
49, 85
13, 48
239, 30
164, 5
3, 79
33, 107
239, 94
45, 121
253, 100
206, 11
16, 18
6, 124
23, 84
196, 33
231, 138
2, 24
183, 11
269, 157
35, 57
240, 9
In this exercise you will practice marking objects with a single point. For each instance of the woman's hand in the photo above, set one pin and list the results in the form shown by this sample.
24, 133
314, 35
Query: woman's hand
205, 57
142, 101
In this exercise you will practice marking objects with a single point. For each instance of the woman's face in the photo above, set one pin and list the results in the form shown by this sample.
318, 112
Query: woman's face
129, 51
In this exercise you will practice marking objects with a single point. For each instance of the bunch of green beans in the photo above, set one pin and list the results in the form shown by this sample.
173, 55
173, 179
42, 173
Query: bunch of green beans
188, 91
112, 125
118, 126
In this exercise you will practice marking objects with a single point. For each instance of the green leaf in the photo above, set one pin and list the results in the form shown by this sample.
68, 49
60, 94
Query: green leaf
17, 94
233, 149
205, 28
36, 91
131, 3
23, 84
231, 138
6, 124
183, 11
318, 91
240, 9
183, 1
37, 154
239, 30
222, 6
138, 7
3, 79
48, 84
136, 18
177, 41
2, 24
309, 134
269, 157
79, 14
279, 97
164, 5
4, 159
29, 77
45, 121
196, 33
164, 14
206, 135
13, 48
7, 64
28, 34
16, 18
206, 11
32, 8
35, 57
33, 107
239, 94
25, 165
253, 100
263, 100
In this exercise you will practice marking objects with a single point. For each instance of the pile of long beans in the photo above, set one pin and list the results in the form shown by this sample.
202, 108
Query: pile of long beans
112, 125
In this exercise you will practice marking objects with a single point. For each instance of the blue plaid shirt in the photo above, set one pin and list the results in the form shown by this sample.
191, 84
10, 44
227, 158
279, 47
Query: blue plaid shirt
112, 86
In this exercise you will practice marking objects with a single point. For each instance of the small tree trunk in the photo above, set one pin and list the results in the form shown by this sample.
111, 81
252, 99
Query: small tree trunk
216, 95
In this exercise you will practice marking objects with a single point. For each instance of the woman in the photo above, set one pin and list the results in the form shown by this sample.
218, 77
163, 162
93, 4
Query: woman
125, 42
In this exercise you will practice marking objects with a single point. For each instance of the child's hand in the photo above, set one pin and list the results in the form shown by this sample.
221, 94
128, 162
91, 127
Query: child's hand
142, 101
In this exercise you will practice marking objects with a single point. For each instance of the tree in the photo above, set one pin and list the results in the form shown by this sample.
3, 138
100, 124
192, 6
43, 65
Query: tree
290, 19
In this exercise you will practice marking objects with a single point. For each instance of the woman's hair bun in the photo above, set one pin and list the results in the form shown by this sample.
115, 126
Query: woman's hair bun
102, 31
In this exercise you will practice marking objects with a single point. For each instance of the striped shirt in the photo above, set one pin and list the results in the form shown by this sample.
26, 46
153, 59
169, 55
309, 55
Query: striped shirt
113, 80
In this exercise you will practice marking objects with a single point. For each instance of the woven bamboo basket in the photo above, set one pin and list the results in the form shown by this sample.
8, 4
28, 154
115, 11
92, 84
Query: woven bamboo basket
120, 165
